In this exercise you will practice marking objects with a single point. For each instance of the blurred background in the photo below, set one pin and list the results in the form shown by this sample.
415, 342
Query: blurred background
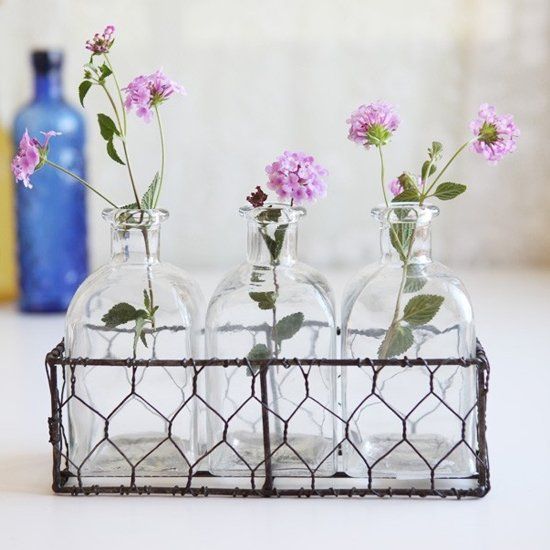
267, 76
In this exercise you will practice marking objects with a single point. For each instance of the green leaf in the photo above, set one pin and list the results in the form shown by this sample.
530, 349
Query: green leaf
275, 244
422, 309
111, 151
398, 340
400, 237
266, 300
408, 182
148, 199
288, 326
107, 127
408, 195
414, 281
139, 333
435, 151
270, 215
105, 72
119, 314
258, 353
146, 300
428, 164
449, 190
83, 89
256, 277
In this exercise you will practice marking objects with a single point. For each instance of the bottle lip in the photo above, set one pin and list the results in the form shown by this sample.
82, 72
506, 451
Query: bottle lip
261, 214
46, 60
405, 212
123, 218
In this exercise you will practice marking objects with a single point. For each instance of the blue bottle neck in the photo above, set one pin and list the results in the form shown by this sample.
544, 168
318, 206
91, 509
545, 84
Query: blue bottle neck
47, 86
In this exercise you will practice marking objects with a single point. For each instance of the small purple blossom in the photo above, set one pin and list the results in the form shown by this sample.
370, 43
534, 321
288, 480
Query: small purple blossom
101, 43
496, 134
297, 176
257, 198
146, 92
30, 156
373, 124
395, 187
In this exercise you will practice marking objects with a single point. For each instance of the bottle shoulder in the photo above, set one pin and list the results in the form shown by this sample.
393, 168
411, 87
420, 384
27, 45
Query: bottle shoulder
60, 116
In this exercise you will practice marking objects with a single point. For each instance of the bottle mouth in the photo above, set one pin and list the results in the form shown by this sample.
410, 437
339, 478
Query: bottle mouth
122, 218
405, 212
275, 212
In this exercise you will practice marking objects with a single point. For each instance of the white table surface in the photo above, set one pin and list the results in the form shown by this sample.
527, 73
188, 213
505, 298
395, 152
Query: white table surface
513, 321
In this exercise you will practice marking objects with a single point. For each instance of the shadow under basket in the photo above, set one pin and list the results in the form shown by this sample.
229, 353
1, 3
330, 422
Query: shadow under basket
379, 474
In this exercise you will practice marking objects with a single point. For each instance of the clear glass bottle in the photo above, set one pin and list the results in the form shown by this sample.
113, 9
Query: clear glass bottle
141, 415
409, 305
52, 256
272, 306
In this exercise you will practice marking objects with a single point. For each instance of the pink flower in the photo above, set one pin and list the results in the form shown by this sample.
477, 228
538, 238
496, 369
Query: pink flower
146, 92
101, 43
395, 187
297, 176
496, 134
373, 124
30, 156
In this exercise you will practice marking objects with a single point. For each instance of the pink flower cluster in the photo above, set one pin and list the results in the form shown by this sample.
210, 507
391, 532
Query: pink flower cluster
373, 124
496, 134
30, 155
297, 176
101, 43
146, 92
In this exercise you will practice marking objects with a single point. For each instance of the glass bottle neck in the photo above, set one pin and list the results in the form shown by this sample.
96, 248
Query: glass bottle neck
272, 244
135, 245
406, 239
47, 85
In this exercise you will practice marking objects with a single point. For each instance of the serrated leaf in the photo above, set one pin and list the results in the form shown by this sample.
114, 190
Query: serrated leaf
265, 300
83, 89
131, 206
148, 199
275, 244
258, 353
449, 190
398, 340
107, 127
111, 151
435, 151
408, 195
422, 309
415, 279
119, 314
288, 326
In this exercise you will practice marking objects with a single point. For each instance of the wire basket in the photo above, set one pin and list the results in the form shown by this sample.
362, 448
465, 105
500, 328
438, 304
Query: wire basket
261, 480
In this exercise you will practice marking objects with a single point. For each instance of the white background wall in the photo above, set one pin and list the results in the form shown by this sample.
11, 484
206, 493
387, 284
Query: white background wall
263, 76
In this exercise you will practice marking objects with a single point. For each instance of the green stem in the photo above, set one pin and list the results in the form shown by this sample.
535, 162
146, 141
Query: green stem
162, 156
123, 139
107, 60
382, 174
458, 151
80, 180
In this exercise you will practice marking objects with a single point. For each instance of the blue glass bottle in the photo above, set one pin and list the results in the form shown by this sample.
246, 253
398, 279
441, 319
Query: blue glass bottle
51, 217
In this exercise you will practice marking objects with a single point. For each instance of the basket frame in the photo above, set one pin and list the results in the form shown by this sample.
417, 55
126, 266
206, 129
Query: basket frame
64, 481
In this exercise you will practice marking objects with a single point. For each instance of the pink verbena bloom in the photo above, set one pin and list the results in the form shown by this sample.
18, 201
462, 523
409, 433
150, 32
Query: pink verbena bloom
30, 156
101, 43
297, 176
496, 134
395, 187
146, 92
373, 124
